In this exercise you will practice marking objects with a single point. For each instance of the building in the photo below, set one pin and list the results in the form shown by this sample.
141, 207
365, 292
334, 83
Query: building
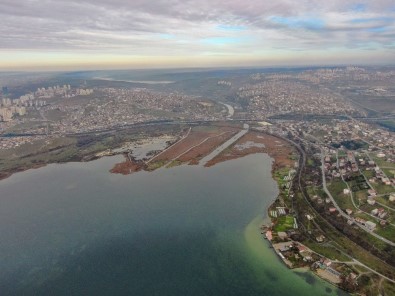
371, 201
6, 102
282, 235
5, 114
372, 192
332, 210
370, 225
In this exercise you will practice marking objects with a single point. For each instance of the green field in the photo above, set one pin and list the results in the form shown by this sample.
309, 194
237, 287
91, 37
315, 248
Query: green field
384, 200
390, 124
387, 231
382, 188
153, 165
378, 186
284, 223
336, 188
327, 251
346, 245
369, 174
389, 172
382, 163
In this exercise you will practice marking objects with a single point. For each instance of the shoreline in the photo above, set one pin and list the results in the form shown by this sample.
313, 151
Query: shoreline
274, 152
261, 248
270, 142
8, 173
200, 142
269, 221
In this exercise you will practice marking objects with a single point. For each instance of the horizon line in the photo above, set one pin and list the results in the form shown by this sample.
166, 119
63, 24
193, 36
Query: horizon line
274, 66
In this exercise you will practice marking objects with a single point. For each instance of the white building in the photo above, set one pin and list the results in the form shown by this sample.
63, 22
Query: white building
370, 225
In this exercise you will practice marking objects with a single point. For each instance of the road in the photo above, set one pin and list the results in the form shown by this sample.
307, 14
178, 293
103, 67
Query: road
356, 262
334, 202
231, 110
187, 134
302, 161
225, 145
189, 149
340, 210
212, 154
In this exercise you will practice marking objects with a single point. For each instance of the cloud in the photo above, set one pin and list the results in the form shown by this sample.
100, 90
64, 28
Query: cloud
309, 23
174, 27
231, 28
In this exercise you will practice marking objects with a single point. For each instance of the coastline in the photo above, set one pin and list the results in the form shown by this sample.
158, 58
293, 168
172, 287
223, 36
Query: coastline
268, 223
77, 148
202, 141
275, 152
224, 232
8, 173
262, 252
87, 158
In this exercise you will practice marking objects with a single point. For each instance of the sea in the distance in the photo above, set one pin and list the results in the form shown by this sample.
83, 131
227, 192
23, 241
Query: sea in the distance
76, 229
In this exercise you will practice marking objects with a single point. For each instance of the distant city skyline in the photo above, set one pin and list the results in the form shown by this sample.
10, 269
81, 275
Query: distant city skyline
120, 34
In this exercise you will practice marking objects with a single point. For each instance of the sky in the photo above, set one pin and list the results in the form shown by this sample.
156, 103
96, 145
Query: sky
112, 34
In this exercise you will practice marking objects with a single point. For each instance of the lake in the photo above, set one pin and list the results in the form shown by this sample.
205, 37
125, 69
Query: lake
76, 229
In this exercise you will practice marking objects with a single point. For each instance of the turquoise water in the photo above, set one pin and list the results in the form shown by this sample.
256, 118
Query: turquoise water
76, 229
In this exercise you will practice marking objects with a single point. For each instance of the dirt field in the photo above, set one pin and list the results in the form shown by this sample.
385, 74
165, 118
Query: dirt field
251, 143
200, 141
127, 167
195, 154
203, 140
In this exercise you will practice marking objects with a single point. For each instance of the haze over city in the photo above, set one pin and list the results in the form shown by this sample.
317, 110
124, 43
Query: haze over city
67, 35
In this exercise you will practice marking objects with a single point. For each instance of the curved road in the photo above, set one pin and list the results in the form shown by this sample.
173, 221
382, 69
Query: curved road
231, 110
340, 210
